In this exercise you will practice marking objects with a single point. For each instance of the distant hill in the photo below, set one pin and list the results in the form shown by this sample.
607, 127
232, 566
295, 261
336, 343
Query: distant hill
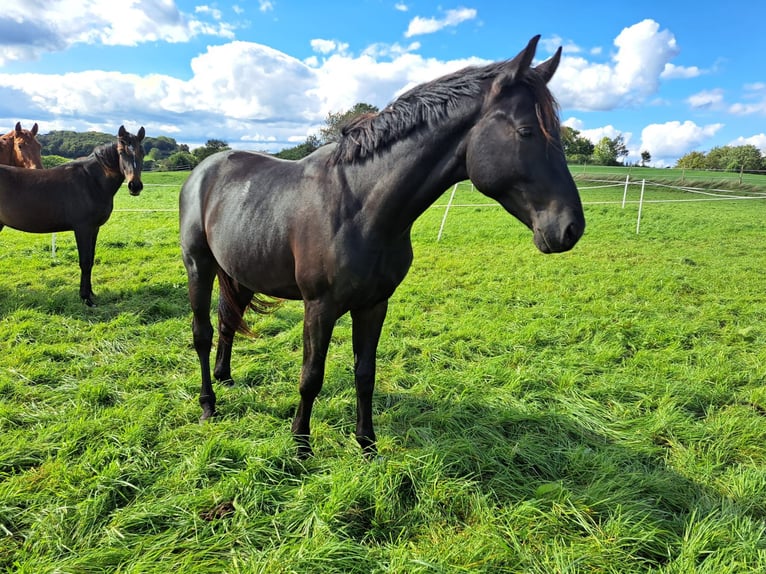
72, 145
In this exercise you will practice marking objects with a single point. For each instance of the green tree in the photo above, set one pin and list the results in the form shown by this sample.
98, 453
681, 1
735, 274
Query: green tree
160, 147
335, 121
53, 160
619, 147
716, 158
608, 151
646, 157
692, 160
603, 152
577, 149
300, 151
211, 147
744, 157
181, 160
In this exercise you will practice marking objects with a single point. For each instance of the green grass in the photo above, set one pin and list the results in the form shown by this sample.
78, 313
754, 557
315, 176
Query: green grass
602, 410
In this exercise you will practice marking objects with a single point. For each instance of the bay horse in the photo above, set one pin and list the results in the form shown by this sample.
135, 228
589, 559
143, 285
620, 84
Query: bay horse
20, 148
333, 229
76, 196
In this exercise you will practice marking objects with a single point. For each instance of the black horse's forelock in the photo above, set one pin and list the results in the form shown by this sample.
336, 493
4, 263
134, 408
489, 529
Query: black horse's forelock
429, 104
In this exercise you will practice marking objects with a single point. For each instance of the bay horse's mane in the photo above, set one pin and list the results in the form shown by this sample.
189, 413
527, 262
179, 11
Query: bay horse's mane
428, 104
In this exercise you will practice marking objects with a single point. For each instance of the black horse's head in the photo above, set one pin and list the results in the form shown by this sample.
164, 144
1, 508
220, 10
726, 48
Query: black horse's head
514, 153
131, 154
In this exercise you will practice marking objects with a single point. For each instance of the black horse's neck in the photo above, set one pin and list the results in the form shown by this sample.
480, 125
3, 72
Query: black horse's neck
108, 159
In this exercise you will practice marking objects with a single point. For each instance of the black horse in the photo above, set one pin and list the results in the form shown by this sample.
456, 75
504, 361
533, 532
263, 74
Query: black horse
76, 196
333, 229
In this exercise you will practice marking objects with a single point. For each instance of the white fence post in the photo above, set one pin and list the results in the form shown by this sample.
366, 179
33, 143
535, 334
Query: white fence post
446, 211
625, 193
640, 205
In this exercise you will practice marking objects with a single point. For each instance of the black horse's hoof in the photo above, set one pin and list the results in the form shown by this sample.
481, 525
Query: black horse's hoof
89, 302
304, 448
207, 413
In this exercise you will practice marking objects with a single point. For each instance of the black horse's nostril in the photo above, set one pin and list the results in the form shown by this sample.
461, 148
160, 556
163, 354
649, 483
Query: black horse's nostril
572, 234
135, 186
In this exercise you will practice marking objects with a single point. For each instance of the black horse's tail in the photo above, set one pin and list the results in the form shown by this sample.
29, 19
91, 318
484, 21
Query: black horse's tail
235, 300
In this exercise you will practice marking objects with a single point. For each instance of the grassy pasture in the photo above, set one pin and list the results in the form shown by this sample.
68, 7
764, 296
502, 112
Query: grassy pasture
602, 410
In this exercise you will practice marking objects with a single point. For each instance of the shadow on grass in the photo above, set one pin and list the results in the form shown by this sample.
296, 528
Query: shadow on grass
583, 473
153, 303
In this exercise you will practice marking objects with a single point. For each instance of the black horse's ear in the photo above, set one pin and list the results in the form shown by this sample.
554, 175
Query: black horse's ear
122, 132
548, 68
141, 133
516, 67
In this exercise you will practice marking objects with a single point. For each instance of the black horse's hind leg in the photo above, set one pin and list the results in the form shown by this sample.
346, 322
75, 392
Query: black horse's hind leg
366, 327
86, 251
230, 311
318, 323
200, 269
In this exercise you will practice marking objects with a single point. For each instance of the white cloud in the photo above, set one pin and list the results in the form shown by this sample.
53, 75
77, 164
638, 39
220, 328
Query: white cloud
758, 141
671, 72
756, 104
401, 7
327, 46
741, 109
27, 31
707, 99
265, 5
632, 75
671, 140
214, 12
595, 135
419, 26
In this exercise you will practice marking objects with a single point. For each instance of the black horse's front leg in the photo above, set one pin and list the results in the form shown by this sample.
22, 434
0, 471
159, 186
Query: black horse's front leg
366, 328
318, 323
86, 252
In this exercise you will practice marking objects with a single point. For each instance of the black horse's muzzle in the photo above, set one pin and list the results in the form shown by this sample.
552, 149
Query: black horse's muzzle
135, 187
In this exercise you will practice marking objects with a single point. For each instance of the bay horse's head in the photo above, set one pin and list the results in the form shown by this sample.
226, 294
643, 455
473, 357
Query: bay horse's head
514, 153
26, 151
131, 154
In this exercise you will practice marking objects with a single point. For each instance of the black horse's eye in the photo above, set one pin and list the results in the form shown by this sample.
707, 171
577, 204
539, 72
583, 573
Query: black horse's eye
525, 132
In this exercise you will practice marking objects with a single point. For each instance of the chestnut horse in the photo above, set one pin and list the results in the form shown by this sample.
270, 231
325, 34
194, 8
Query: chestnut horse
76, 196
333, 228
20, 148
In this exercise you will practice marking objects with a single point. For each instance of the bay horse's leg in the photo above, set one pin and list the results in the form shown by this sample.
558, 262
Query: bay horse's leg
318, 323
230, 311
366, 327
200, 270
86, 253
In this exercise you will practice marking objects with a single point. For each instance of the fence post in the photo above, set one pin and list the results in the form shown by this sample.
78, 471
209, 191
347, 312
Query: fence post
640, 205
446, 211
625, 193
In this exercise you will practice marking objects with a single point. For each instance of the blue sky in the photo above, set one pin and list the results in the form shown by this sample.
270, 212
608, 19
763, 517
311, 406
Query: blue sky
671, 76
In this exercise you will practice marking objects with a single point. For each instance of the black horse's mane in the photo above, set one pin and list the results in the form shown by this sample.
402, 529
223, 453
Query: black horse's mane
429, 104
